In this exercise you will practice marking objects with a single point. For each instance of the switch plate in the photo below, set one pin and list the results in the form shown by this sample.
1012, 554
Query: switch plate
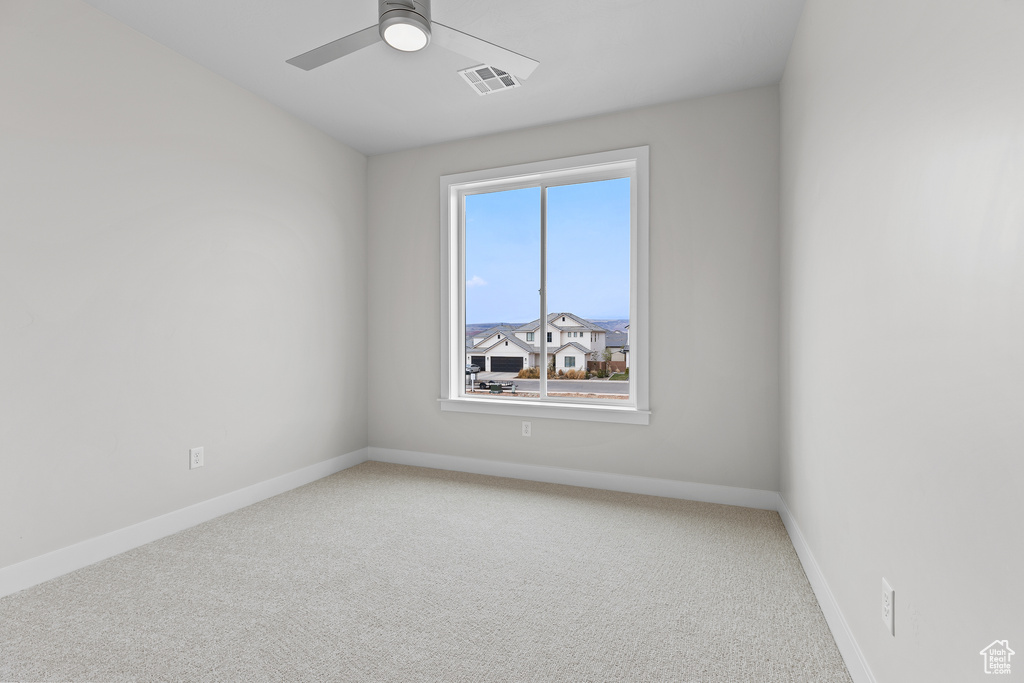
527, 428
889, 607
195, 457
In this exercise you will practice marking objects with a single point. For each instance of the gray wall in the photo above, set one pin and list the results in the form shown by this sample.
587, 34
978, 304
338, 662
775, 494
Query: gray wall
714, 297
181, 264
903, 234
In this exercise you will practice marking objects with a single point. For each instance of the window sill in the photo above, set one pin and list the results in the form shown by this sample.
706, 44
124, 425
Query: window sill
556, 411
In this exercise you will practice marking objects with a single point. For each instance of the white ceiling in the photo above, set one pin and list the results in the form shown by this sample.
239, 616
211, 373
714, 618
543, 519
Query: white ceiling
596, 56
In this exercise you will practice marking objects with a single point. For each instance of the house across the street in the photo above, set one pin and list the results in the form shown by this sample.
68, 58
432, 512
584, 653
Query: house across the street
618, 344
571, 340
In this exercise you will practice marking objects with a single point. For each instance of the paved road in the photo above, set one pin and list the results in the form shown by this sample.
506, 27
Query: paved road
582, 386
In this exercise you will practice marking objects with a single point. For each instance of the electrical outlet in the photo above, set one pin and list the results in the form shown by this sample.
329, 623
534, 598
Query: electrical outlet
527, 428
889, 607
195, 457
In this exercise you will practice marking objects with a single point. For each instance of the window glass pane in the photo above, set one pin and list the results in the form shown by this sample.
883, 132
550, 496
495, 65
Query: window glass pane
502, 258
588, 231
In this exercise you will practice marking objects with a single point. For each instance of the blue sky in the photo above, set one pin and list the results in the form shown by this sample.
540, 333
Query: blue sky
588, 252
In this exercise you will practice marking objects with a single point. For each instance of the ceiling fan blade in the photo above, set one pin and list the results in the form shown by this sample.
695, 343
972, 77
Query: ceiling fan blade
488, 53
336, 49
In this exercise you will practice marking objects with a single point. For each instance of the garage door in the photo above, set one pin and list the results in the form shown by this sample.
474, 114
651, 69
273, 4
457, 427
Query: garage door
499, 364
479, 361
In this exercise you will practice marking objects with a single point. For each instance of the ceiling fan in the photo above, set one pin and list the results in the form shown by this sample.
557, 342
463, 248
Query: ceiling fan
405, 25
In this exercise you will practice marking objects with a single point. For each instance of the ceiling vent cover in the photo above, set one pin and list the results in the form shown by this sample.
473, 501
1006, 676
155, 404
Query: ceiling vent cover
488, 79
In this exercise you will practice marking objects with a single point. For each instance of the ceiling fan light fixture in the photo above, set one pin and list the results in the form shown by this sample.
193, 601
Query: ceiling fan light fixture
405, 25
405, 37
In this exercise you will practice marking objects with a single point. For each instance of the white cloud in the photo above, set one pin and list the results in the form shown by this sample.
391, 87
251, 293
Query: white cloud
475, 281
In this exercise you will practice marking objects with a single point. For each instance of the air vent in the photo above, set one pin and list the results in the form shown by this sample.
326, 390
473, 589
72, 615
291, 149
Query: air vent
488, 79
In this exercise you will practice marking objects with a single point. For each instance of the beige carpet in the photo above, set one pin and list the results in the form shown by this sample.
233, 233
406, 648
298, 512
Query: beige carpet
392, 573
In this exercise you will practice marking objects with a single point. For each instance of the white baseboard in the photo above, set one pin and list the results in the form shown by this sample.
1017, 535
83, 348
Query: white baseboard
848, 647
36, 570
668, 488
709, 493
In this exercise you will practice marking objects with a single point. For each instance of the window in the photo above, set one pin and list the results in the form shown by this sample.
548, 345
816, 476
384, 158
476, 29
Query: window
511, 240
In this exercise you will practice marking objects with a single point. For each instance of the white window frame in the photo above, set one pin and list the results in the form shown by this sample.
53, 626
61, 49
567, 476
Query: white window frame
632, 162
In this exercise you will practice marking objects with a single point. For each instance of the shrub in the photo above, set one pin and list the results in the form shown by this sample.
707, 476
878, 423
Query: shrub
529, 373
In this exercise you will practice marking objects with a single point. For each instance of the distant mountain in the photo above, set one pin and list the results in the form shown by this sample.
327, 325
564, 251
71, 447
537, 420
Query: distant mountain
617, 325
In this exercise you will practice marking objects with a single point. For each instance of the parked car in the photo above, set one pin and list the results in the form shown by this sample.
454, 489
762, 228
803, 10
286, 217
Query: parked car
472, 369
496, 387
